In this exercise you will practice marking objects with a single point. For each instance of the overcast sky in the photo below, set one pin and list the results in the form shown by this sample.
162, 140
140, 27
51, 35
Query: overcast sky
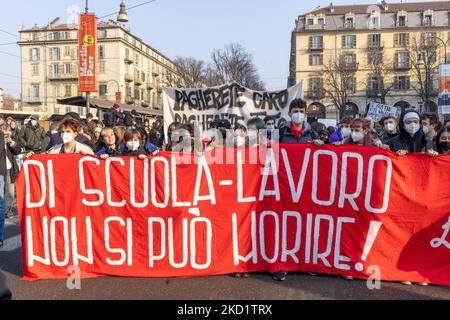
176, 28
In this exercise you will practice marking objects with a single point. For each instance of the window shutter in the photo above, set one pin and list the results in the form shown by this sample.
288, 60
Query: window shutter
310, 59
310, 42
354, 41
321, 59
343, 41
396, 39
369, 40
31, 54
321, 42
407, 39
310, 82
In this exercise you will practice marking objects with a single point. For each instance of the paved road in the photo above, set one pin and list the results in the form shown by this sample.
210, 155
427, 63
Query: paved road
259, 286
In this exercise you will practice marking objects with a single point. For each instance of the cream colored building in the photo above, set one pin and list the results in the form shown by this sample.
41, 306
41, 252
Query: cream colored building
326, 33
125, 63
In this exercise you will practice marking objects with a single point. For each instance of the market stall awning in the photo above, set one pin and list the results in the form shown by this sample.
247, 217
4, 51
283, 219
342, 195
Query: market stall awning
103, 104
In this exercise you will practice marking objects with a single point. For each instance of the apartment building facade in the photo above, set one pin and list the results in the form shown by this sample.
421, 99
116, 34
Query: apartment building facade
125, 64
356, 34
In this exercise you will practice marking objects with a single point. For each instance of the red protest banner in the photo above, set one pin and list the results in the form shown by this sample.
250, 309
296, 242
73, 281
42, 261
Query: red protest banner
87, 48
339, 210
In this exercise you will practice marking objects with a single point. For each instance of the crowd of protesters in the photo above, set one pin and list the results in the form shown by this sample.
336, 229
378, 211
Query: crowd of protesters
126, 134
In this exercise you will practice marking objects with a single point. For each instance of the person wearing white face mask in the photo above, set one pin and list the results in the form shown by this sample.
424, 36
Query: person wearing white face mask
361, 135
430, 124
411, 138
69, 129
343, 132
31, 136
390, 128
132, 146
299, 130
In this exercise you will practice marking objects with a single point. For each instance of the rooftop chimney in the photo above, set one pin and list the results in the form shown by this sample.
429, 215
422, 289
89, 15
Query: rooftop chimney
331, 7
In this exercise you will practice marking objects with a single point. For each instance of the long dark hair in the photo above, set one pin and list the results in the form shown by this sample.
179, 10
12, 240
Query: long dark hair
438, 137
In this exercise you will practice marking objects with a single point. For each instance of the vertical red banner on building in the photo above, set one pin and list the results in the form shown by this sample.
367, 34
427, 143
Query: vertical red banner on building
87, 48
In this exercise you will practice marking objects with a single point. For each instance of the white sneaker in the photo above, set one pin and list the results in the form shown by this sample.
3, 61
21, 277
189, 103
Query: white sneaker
424, 284
408, 283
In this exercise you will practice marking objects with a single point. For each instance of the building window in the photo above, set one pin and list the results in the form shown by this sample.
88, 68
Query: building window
56, 91
315, 60
429, 38
401, 22
316, 42
35, 91
101, 52
350, 84
315, 84
55, 70
68, 90
55, 54
374, 84
401, 39
310, 22
102, 67
350, 59
402, 60
321, 21
35, 54
35, 69
374, 40
102, 33
349, 23
103, 89
374, 21
68, 68
402, 83
428, 20
67, 51
349, 42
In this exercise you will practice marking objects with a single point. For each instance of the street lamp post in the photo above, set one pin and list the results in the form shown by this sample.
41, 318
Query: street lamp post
445, 43
88, 104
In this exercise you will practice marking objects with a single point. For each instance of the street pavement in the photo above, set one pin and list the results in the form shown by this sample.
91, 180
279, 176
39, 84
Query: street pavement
260, 286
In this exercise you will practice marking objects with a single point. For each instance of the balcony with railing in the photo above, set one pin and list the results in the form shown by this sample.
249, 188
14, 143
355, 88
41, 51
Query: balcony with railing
62, 76
129, 59
315, 27
155, 72
315, 94
402, 65
138, 81
128, 77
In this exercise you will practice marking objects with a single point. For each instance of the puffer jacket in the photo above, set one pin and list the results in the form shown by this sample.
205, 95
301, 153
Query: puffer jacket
404, 141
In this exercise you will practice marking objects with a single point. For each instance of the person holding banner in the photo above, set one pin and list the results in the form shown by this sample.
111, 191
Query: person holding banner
107, 145
343, 131
390, 128
298, 130
69, 129
171, 136
430, 124
132, 146
442, 145
254, 127
362, 136
411, 138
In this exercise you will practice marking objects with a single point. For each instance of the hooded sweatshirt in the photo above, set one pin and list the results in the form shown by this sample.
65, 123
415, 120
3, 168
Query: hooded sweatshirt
404, 141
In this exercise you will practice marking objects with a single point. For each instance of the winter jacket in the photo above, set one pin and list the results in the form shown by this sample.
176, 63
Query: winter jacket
10, 153
102, 149
404, 141
79, 147
56, 139
308, 134
31, 138
130, 153
336, 136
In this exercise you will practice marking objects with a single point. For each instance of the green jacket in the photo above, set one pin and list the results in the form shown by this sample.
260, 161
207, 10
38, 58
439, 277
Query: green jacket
31, 138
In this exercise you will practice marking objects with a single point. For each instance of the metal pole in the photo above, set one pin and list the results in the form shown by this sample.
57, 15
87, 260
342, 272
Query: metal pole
88, 105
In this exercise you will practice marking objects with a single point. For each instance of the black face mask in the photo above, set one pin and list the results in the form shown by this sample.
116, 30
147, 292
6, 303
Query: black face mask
444, 145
